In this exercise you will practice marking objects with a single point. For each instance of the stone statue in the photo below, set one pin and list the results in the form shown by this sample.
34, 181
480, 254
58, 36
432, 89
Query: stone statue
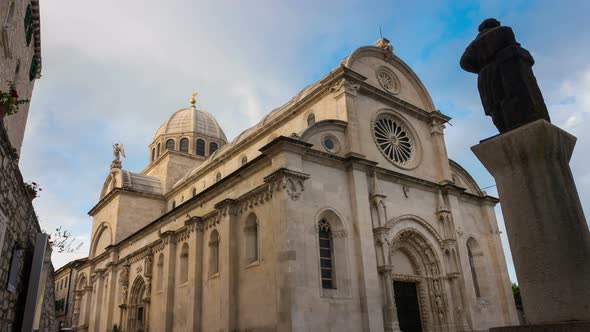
118, 150
508, 89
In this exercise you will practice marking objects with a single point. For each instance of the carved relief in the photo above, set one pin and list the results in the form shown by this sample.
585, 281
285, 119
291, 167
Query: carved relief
344, 86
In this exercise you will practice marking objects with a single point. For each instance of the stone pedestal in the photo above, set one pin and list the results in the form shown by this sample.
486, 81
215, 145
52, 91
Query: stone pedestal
548, 234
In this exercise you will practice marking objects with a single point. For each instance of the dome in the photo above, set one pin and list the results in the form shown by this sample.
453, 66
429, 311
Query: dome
191, 120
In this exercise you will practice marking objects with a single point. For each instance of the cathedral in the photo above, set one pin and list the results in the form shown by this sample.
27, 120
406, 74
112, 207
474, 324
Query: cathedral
339, 211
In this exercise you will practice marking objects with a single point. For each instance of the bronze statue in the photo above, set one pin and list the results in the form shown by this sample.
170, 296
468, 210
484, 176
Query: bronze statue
507, 87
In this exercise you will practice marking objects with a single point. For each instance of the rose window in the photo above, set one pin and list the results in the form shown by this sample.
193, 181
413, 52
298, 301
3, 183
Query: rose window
388, 80
394, 140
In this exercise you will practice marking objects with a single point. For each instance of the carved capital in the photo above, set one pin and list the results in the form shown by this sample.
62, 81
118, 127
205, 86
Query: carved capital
344, 86
291, 181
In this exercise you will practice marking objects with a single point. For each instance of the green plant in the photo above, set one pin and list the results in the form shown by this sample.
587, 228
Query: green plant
9, 100
516, 293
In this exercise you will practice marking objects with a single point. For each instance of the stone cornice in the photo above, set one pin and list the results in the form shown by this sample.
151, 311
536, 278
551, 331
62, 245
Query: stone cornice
113, 193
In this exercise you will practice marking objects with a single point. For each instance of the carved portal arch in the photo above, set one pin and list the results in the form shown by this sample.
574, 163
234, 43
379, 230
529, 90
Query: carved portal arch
137, 307
393, 225
81, 303
428, 274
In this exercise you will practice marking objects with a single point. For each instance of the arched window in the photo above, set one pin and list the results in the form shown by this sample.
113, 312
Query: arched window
244, 160
184, 145
173, 205
212, 147
160, 273
158, 151
194, 192
214, 253
251, 238
200, 147
476, 266
153, 154
218, 177
170, 144
183, 277
310, 120
326, 254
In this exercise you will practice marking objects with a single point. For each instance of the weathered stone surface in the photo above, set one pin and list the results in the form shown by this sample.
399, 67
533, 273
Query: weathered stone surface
22, 227
547, 230
562, 327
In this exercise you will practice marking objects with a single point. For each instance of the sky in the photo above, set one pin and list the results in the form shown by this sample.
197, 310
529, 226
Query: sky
113, 71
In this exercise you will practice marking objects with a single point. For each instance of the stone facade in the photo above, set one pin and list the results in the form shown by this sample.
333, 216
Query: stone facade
339, 211
65, 278
18, 229
20, 58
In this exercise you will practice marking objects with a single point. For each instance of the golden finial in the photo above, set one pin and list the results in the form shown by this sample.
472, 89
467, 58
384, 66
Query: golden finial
192, 100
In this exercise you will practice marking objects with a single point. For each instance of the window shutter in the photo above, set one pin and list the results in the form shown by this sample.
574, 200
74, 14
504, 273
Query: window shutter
29, 24
34, 68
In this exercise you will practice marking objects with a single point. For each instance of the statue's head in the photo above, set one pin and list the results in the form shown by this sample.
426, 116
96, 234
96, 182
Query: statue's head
487, 24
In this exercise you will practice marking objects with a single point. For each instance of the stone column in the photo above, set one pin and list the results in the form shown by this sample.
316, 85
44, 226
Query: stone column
344, 93
199, 245
370, 292
228, 259
384, 267
148, 268
169, 277
286, 187
454, 275
546, 226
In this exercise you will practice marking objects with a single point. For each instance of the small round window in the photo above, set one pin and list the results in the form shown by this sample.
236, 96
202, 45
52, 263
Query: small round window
388, 80
330, 143
394, 140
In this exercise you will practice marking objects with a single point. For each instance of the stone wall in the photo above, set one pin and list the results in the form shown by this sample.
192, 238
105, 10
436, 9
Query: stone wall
18, 227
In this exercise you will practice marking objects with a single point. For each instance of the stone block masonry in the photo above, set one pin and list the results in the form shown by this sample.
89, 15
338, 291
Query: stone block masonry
18, 228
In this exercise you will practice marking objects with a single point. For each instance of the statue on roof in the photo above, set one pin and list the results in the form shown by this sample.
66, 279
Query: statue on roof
507, 86
118, 150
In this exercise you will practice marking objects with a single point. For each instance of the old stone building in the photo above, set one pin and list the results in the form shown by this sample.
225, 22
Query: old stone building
26, 283
339, 211
20, 58
65, 279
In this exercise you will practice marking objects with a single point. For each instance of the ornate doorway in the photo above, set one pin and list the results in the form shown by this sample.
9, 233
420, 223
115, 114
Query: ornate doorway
136, 307
408, 308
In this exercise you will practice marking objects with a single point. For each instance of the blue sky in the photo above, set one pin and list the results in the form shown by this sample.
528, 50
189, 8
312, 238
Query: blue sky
114, 70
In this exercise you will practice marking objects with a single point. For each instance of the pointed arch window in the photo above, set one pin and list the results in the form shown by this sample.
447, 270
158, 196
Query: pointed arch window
251, 238
183, 277
477, 267
244, 160
170, 144
212, 147
214, 253
200, 148
218, 177
326, 254
184, 145
153, 154
158, 151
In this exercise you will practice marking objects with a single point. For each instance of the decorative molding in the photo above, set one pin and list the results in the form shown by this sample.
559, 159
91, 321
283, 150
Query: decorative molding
344, 86
291, 181
392, 222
